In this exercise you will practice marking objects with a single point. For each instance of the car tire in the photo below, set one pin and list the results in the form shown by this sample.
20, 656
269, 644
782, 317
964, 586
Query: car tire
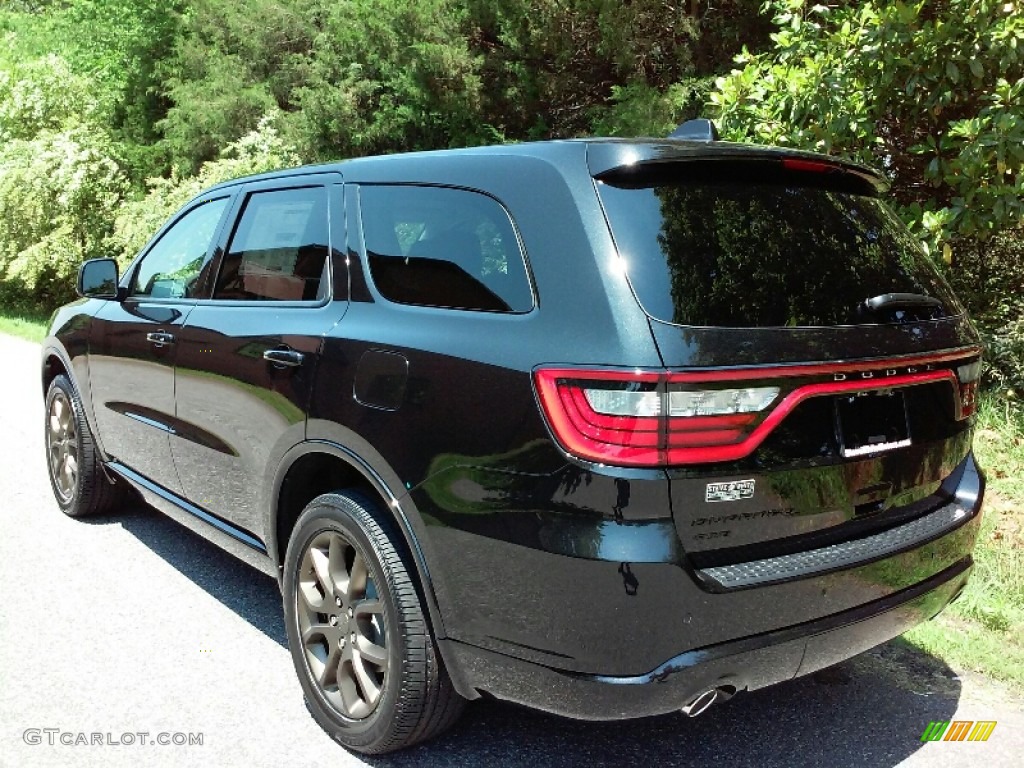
358, 634
80, 484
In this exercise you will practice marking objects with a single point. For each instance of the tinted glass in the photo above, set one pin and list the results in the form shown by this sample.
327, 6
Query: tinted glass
278, 251
175, 267
748, 255
440, 247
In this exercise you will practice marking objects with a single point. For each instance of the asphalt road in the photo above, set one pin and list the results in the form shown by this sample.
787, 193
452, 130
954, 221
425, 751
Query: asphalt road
133, 625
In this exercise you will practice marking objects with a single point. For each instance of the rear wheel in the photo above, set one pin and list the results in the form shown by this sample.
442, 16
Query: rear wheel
360, 641
79, 483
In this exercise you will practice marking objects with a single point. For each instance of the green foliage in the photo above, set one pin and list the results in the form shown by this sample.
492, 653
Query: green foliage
989, 276
930, 92
387, 75
640, 109
560, 68
556, 63
127, 52
27, 33
120, 47
1004, 356
43, 95
60, 185
263, 149
58, 195
231, 64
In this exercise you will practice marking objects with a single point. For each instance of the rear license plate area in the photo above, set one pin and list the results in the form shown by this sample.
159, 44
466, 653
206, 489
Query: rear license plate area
872, 422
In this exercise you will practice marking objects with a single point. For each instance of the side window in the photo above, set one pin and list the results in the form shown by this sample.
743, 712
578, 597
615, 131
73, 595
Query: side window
278, 251
173, 268
440, 247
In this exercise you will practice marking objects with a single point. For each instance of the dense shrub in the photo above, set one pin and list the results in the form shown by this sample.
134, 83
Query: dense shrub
989, 276
928, 91
1004, 356
60, 184
59, 193
389, 75
261, 150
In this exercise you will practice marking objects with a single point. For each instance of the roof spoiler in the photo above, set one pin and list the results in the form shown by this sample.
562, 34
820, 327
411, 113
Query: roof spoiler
700, 129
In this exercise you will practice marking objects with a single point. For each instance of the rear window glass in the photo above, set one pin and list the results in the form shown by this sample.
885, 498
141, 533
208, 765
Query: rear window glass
442, 247
762, 254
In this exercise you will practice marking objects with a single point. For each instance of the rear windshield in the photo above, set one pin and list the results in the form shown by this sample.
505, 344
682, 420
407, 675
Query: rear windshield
769, 254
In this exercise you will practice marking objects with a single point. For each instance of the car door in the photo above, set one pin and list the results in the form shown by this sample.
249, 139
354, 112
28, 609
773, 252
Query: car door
133, 342
247, 356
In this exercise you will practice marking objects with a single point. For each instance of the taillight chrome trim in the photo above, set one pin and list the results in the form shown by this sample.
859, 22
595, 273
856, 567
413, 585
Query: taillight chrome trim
849, 367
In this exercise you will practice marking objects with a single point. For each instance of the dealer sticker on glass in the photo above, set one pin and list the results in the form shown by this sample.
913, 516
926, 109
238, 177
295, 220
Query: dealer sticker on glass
731, 491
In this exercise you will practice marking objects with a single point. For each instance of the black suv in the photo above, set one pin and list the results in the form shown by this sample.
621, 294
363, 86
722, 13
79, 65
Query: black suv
610, 428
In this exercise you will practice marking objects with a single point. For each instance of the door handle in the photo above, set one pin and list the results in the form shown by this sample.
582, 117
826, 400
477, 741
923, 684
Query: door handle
283, 358
160, 338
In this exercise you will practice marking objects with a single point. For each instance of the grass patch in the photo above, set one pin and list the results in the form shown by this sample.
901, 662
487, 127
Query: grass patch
984, 630
24, 325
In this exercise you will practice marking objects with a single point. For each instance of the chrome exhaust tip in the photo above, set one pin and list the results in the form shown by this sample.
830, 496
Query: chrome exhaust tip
701, 702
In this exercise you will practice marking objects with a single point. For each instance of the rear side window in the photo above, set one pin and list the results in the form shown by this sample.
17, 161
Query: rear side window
278, 251
442, 247
715, 253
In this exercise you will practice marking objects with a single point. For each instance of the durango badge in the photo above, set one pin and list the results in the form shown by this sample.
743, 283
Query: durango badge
731, 491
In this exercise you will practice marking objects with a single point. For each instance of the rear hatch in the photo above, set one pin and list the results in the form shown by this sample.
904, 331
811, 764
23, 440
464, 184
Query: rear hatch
821, 374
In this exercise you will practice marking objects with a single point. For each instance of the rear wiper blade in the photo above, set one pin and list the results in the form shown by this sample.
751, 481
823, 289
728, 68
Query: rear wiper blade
900, 301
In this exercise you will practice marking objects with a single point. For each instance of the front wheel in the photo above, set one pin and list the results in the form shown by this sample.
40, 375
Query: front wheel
79, 483
360, 641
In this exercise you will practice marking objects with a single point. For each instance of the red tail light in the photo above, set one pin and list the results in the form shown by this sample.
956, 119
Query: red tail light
641, 419
657, 418
809, 166
626, 439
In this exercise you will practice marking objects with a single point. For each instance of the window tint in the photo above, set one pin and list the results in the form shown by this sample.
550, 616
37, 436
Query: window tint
278, 251
174, 268
440, 247
763, 254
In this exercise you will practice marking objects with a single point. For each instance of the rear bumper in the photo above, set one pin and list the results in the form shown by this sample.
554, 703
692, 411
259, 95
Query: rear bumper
618, 599
745, 664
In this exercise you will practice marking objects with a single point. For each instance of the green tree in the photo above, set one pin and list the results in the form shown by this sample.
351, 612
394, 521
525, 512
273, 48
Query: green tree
263, 149
43, 95
931, 93
928, 91
560, 68
120, 47
387, 75
231, 64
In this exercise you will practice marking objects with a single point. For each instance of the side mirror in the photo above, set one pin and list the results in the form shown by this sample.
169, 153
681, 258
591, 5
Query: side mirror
97, 279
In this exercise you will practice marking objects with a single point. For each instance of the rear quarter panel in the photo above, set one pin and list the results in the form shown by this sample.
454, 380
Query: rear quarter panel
467, 452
